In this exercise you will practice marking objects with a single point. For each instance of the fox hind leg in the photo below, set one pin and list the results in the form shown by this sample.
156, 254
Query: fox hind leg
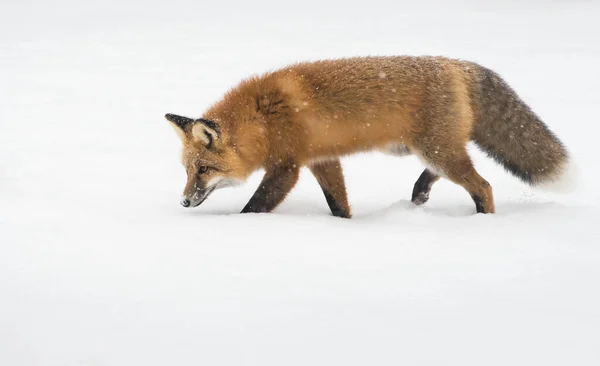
422, 187
455, 164
331, 179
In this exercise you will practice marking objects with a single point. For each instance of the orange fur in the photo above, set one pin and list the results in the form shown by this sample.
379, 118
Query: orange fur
310, 114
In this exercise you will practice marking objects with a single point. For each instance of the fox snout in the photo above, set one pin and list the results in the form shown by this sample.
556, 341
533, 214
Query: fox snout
195, 198
185, 202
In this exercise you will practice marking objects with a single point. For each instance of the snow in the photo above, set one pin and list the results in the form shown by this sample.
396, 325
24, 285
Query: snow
100, 265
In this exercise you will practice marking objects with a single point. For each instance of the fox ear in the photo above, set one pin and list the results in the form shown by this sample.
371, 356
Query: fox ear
179, 123
207, 132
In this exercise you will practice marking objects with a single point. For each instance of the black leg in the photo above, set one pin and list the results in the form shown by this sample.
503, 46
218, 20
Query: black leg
331, 179
479, 206
276, 184
423, 186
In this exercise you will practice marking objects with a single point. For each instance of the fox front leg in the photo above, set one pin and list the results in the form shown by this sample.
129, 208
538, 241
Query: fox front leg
276, 184
331, 179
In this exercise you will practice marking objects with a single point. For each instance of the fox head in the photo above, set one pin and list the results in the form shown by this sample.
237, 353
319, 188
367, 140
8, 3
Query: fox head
208, 160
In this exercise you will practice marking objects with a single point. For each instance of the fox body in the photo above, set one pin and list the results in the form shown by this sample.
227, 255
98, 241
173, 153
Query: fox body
310, 114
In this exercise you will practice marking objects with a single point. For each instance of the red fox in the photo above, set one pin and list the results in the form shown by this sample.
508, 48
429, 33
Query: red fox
312, 113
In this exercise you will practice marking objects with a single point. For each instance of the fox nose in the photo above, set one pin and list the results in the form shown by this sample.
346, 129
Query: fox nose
185, 202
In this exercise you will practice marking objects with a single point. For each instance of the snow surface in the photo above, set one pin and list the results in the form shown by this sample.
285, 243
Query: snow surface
100, 265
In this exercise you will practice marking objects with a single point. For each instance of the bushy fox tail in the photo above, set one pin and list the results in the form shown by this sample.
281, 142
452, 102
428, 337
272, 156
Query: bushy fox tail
513, 135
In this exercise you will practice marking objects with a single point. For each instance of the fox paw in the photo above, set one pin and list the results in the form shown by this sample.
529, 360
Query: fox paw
420, 198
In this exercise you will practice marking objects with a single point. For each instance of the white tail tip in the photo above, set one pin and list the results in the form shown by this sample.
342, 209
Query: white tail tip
567, 180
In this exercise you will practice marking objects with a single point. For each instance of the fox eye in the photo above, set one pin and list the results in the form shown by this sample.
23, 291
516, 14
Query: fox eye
202, 170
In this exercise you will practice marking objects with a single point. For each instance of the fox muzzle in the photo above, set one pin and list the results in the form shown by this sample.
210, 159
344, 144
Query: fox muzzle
196, 198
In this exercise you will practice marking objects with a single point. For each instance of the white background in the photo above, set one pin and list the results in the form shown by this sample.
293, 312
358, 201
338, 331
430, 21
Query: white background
99, 265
